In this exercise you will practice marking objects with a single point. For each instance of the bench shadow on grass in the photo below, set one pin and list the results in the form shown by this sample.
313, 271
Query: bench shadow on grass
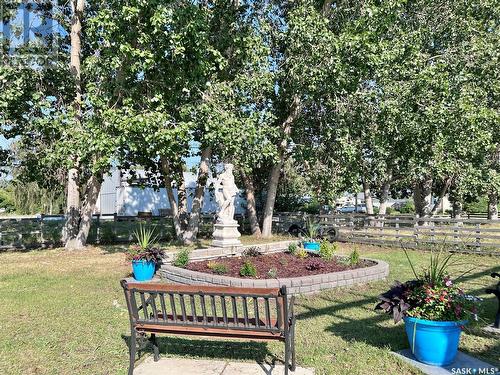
369, 329
210, 348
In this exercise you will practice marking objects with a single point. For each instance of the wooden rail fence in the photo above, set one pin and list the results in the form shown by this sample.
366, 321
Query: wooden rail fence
461, 234
471, 234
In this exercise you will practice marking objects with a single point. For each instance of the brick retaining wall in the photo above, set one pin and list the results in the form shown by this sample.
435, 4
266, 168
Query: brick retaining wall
296, 285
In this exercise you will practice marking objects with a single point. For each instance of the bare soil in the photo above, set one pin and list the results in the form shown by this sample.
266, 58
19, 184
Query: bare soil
276, 265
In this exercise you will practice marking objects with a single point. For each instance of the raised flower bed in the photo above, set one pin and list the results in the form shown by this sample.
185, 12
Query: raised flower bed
271, 270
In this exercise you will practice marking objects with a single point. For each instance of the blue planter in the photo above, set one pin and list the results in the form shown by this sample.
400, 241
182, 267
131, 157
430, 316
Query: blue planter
433, 343
143, 271
311, 246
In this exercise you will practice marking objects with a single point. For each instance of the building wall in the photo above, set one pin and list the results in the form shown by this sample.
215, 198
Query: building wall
120, 198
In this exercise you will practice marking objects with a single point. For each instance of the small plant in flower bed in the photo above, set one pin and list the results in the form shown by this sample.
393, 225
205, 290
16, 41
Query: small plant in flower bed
272, 273
327, 250
248, 269
292, 248
301, 253
253, 251
315, 264
181, 259
217, 268
353, 258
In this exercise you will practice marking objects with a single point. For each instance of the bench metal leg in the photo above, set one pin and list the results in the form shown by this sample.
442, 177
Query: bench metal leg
132, 351
292, 346
287, 353
156, 350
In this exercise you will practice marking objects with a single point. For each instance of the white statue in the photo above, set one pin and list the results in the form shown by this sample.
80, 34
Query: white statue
225, 194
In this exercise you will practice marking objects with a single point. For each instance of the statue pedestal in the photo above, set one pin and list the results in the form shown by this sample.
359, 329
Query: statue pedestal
226, 234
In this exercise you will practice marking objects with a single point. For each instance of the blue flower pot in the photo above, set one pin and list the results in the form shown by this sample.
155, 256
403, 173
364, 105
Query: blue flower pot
433, 343
143, 270
311, 246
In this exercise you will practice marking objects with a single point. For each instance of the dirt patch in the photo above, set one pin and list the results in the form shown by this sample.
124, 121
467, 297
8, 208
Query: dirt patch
277, 265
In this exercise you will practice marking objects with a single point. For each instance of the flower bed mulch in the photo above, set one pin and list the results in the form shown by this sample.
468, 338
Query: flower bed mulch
285, 264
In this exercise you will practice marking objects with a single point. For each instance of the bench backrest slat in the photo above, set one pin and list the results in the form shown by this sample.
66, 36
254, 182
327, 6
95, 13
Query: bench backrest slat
183, 307
245, 311
235, 310
268, 313
186, 305
256, 311
163, 306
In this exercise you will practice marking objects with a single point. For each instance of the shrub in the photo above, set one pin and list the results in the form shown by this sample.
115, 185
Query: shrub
253, 251
107, 236
327, 250
301, 253
218, 268
272, 273
408, 208
182, 258
248, 269
292, 248
353, 259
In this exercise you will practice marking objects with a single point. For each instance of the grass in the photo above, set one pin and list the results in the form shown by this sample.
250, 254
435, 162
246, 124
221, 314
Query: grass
64, 313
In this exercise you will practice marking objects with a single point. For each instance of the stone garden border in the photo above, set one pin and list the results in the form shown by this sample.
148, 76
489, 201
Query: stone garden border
295, 285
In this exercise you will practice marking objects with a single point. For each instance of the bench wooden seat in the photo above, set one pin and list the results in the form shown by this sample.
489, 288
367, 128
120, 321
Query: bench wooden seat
259, 314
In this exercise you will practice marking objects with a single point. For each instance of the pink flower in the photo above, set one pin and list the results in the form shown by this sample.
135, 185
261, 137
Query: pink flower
448, 282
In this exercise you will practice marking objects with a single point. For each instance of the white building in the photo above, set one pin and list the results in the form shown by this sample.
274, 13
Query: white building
119, 197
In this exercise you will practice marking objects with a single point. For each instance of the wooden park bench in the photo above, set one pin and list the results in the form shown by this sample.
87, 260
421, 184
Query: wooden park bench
217, 311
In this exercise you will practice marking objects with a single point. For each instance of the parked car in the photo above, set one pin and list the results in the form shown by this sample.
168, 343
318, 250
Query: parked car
361, 208
347, 209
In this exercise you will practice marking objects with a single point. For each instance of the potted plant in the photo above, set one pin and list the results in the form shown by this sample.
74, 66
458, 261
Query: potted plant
145, 255
434, 310
311, 243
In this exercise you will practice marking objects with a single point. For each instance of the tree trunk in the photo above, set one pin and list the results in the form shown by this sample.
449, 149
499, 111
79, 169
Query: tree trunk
91, 195
70, 231
171, 197
457, 211
73, 196
191, 232
251, 205
443, 192
368, 197
422, 196
384, 197
493, 205
274, 176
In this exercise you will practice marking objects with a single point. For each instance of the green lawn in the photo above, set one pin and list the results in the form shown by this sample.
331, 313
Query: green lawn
64, 313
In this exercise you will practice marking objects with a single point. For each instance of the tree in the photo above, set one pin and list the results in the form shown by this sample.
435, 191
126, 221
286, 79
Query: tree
64, 120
